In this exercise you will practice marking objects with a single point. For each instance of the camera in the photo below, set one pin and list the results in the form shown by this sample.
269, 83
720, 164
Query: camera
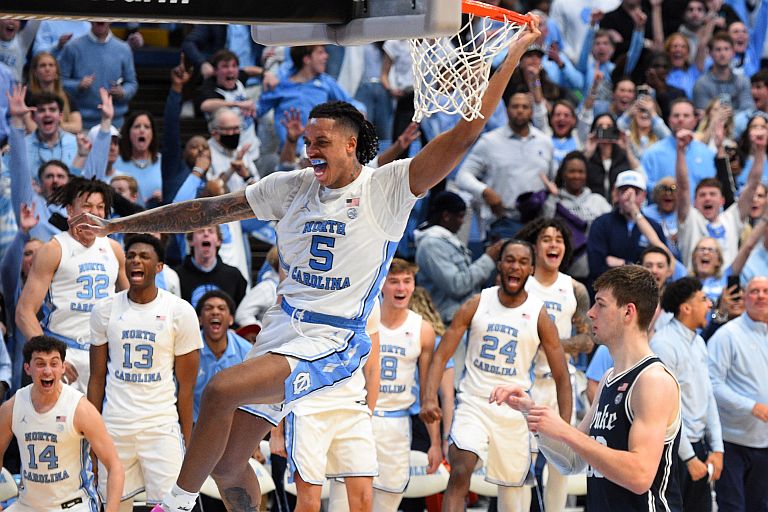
607, 133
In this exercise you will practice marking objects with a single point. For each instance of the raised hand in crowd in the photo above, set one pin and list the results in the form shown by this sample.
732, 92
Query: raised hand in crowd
181, 74
294, 127
28, 218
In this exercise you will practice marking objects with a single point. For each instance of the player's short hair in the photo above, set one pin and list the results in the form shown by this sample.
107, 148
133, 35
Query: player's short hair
44, 98
517, 241
44, 344
216, 294
678, 292
632, 284
133, 185
79, 186
223, 55
531, 231
709, 183
145, 238
653, 249
52, 163
401, 266
347, 115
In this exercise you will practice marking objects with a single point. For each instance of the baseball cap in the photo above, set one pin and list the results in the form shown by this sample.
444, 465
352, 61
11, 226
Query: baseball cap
631, 179
113, 132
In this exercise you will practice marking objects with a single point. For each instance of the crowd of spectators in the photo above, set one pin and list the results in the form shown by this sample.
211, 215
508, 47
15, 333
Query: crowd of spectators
644, 129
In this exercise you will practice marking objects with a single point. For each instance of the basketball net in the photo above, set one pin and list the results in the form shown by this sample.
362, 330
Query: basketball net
450, 74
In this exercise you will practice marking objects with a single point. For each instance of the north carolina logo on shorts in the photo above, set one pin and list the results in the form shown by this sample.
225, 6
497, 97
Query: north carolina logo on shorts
301, 383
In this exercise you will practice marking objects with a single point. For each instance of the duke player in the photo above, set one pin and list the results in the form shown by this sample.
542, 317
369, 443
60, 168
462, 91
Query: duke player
145, 353
69, 275
407, 343
628, 440
566, 301
54, 425
339, 223
506, 328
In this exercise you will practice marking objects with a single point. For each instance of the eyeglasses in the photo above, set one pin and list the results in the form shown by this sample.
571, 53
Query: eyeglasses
711, 250
667, 188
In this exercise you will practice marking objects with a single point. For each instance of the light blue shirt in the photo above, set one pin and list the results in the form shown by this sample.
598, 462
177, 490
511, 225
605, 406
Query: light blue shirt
49, 32
39, 152
239, 41
150, 178
659, 162
756, 265
601, 363
738, 369
237, 349
685, 354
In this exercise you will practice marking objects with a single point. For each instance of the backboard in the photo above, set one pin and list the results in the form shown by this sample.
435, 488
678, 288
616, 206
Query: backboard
274, 22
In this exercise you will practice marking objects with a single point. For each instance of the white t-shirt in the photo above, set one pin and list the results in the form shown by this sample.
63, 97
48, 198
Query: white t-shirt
144, 340
726, 230
335, 244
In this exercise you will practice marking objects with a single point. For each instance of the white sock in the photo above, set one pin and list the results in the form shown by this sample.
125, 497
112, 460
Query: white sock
179, 500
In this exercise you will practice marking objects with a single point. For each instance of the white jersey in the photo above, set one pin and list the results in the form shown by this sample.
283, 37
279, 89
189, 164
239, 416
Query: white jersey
400, 350
55, 463
144, 340
560, 302
502, 344
85, 276
335, 244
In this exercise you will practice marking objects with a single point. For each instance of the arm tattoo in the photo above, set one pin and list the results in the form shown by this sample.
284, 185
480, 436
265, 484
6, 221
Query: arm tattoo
237, 499
187, 215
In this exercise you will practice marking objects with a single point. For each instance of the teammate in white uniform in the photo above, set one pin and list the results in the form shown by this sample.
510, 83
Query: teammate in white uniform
567, 302
407, 343
72, 273
338, 225
506, 327
145, 353
54, 425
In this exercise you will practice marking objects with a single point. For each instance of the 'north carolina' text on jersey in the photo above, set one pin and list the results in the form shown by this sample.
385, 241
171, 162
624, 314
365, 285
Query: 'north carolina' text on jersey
610, 427
335, 245
85, 275
55, 459
502, 344
144, 341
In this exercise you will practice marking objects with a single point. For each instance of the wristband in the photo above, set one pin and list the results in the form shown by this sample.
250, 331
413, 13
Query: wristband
638, 215
689, 459
199, 171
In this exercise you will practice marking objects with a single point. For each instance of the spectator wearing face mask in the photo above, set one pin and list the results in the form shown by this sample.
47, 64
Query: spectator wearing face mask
232, 158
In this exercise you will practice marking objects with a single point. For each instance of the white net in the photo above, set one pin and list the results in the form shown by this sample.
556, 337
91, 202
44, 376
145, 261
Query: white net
450, 74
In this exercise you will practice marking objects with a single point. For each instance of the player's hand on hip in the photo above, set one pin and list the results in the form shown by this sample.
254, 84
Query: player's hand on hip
512, 395
696, 469
85, 223
434, 457
430, 412
716, 459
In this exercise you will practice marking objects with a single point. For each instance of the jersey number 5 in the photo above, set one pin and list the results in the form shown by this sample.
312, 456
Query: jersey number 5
323, 258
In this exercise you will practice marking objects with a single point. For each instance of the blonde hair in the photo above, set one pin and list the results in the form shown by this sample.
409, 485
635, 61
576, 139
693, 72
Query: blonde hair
704, 131
133, 185
34, 84
719, 253
421, 303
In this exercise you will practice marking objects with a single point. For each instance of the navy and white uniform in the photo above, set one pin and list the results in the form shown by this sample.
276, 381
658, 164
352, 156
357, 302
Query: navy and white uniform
501, 349
399, 356
335, 247
140, 395
85, 276
55, 462
610, 426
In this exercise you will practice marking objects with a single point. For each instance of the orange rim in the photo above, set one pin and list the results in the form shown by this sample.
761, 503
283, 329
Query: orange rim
493, 12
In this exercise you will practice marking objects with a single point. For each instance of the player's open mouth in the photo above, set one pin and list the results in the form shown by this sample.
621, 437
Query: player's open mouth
554, 256
47, 383
207, 243
513, 280
215, 324
319, 165
137, 275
